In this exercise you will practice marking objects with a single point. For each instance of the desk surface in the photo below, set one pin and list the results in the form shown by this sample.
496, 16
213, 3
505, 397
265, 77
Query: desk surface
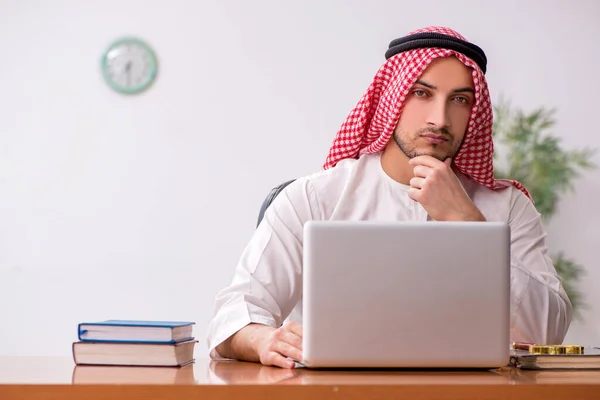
51, 377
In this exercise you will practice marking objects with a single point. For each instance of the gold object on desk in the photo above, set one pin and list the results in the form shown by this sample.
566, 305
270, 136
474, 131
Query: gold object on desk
556, 349
553, 349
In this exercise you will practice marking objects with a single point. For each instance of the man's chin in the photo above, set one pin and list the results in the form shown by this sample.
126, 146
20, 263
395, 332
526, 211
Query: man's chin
439, 156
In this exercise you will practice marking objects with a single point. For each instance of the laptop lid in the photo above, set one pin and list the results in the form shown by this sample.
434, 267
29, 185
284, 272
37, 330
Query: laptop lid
406, 294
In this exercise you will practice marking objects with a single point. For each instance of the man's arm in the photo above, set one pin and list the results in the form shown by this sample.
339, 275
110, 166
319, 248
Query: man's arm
264, 344
541, 311
266, 286
243, 345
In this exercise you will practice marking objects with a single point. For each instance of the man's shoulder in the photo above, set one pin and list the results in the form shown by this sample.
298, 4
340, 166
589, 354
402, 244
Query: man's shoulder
328, 185
503, 203
337, 177
308, 196
342, 170
509, 193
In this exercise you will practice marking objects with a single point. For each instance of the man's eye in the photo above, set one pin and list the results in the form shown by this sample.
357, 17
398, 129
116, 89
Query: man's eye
420, 93
462, 100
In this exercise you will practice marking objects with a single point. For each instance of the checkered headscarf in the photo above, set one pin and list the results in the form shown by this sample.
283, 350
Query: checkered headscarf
372, 122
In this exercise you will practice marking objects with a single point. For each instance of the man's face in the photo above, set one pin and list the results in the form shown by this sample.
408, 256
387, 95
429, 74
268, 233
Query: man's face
437, 110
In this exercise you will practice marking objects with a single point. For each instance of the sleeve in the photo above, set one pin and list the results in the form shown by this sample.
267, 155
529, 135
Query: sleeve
267, 282
540, 308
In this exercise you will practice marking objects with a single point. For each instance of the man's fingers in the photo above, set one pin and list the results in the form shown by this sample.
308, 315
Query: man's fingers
417, 183
421, 171
427, 161
414, 194
277, 360
295, 328
292, 338
287, 350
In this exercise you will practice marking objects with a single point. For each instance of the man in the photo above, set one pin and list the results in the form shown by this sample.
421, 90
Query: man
418, 146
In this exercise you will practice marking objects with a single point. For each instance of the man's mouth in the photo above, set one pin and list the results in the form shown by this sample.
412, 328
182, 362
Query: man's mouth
435, 139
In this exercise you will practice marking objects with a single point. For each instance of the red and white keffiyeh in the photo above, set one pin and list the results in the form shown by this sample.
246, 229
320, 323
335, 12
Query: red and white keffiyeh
372, 122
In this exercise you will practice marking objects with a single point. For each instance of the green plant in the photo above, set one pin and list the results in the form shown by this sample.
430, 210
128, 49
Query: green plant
535, 157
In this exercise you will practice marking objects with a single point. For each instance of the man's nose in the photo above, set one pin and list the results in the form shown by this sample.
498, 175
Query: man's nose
437, 115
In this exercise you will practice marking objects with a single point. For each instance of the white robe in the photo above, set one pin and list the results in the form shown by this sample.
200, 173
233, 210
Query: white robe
266, 287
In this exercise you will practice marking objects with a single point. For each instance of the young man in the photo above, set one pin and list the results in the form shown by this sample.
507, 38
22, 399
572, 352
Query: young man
418, 146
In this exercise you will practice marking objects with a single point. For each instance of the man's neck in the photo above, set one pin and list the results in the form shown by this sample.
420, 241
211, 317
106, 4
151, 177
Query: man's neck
395, 164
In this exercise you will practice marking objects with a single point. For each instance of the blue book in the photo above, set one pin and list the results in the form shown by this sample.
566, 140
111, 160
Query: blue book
133, 331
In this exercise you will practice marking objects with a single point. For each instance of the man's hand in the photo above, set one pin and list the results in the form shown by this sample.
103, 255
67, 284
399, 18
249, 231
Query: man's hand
265, 344
438, 190
281, 343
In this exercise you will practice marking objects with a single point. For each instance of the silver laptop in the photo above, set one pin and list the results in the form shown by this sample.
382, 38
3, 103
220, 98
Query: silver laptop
406, 294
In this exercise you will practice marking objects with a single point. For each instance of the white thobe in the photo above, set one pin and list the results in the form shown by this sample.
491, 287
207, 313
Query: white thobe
266, 287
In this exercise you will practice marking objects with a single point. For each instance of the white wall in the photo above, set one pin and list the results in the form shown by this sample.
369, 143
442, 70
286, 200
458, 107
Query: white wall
138, 207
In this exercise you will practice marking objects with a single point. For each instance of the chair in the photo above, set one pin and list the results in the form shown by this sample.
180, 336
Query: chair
271, 196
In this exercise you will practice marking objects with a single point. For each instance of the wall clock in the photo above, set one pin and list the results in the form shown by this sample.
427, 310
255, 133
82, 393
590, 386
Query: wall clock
129, 66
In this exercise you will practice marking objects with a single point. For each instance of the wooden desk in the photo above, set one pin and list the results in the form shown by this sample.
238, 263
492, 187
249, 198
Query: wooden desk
59, 378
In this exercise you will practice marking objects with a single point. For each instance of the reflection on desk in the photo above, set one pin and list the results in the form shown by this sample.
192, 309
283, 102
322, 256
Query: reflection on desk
245, 373
554, 377
242, 373
42, 378
92, 374
27, 371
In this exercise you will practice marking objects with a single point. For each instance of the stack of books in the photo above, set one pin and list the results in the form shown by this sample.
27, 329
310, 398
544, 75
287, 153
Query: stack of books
135, 343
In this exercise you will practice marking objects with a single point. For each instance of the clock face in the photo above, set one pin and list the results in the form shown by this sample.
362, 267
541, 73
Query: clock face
129, 66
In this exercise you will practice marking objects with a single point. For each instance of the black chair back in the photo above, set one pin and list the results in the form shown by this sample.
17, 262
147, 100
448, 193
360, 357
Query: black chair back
270, 197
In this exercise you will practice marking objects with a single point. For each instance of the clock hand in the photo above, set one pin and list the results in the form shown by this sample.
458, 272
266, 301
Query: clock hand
128, 71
